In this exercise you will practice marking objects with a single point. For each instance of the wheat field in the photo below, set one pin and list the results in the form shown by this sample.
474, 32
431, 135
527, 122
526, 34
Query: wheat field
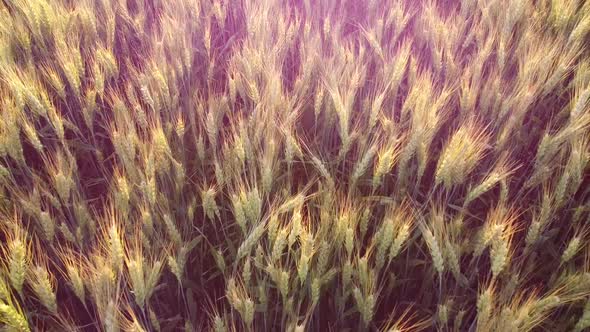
295, 165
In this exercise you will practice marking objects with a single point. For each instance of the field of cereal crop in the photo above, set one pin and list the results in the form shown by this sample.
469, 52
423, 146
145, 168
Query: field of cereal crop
295, 165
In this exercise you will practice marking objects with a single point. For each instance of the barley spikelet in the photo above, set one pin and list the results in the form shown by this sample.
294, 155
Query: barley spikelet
18, 254
363, 164
484, 308
47, 225
460, 155
43, 285
172, 230
279, 244
584, 321
209, 204
435, 249
117, 253
386, 160
31, 134
571, 249
76, 282
250, 241
402, 235
321, 167
13, 318
498, 255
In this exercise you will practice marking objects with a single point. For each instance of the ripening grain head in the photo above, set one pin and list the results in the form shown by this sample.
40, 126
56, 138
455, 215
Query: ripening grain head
461, 154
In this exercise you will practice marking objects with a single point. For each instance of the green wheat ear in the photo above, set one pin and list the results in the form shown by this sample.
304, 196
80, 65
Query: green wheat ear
13, 318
